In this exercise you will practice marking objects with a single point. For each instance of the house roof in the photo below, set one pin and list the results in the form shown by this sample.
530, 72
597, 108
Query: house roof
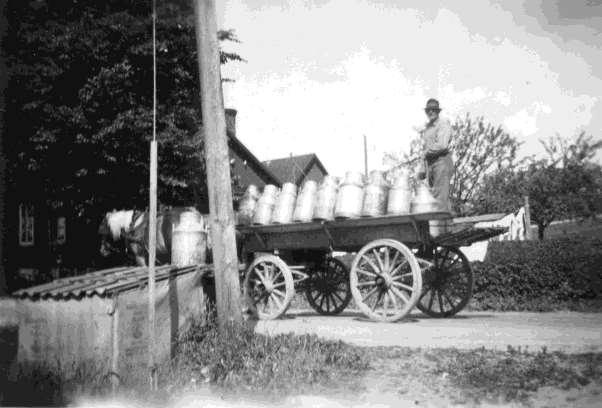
235, 144
294, 168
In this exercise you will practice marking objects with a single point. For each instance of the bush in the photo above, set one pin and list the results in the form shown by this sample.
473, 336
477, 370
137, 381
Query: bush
538, 275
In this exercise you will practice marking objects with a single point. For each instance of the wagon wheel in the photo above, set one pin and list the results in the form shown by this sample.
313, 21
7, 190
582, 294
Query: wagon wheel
269, 285
327, 289
447, 283
386, 280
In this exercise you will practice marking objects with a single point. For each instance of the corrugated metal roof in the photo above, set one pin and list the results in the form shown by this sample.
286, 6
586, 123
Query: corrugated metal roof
105, 282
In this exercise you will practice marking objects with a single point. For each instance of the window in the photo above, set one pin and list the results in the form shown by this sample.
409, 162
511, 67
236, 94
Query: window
26, 220
61, 230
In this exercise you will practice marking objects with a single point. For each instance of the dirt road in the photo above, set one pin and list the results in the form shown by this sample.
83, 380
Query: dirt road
566, 331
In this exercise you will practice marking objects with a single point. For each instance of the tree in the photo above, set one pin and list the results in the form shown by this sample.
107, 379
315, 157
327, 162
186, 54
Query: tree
81, 96
479, 148
566, 184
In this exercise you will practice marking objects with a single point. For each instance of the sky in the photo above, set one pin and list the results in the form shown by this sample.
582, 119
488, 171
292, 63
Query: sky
320, 74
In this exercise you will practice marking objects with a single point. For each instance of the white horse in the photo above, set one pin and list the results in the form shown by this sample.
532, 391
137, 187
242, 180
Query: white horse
126, 231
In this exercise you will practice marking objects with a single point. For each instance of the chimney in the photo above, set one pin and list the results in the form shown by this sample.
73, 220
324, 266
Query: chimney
231, 122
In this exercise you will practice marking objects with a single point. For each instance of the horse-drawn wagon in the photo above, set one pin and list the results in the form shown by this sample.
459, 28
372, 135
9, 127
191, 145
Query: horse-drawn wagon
397, 264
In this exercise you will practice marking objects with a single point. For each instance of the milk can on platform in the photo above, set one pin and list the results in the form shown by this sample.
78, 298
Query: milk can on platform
326, 199
306, 200
247, 205
189, 240
350, 196
423, 200
375, 195
400, 195
265, 205
285, 204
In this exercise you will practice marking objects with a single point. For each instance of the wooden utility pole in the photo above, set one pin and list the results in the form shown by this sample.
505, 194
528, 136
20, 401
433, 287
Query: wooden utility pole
365, 156
221, 213
152, 224
527, 219
3, 84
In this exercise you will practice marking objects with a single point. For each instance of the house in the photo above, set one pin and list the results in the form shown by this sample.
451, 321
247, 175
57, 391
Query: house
297, 169
45, 240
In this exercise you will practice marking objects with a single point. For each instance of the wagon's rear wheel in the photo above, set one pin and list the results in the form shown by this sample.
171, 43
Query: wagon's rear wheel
327, 288
386, 280
447, 283
269, 285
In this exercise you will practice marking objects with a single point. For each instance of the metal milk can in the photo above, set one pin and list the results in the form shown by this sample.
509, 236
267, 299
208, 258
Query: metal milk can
265, 205
400, 195
306, 200
189, 240
285, 204
326, 199
350, 196
423, 200
247, 205
375, 195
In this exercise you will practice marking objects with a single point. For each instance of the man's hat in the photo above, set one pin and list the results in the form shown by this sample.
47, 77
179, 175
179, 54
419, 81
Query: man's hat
432, 104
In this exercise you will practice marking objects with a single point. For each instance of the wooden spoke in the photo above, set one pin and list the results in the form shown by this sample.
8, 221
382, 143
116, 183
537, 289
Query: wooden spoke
386, 263
372, 265
392, 296
279, 293
335, 294
403, 275
381, 267
370, 294
432, 291
276, 300
394, 271
366, 283
367, 273
400, 294
378, 298
392, 263
403, 286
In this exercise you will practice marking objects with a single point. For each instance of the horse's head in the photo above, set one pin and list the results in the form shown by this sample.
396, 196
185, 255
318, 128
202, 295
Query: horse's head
112, 231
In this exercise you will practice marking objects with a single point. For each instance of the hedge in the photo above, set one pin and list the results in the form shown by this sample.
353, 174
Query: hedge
539, 275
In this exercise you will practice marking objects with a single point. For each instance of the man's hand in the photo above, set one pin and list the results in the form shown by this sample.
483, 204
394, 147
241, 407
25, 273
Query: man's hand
421, 170
418, 129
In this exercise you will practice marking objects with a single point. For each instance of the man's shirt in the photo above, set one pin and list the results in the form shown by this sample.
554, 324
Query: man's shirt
436, 136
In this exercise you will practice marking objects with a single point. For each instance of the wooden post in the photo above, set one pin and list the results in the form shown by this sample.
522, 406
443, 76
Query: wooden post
527, 219
3, 84
365, 156
152, 224
221, 213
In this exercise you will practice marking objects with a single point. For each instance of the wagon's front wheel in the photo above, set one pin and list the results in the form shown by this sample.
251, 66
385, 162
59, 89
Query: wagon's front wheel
269, 285
327, 288
447, 283
386, 280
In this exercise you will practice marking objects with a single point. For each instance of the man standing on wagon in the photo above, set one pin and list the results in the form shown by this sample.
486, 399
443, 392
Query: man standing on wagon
436, 137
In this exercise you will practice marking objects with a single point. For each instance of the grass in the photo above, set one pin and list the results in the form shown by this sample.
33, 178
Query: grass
515, 374
276, 366
475, 376
242, 363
